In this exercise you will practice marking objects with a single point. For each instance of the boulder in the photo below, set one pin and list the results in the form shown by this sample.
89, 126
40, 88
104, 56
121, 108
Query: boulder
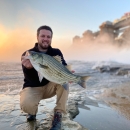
123, 71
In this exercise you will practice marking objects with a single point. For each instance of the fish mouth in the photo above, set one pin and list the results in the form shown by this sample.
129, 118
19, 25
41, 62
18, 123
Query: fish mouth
27, 53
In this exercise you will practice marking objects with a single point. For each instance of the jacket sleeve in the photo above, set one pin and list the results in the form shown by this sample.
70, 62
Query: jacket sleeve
62, 58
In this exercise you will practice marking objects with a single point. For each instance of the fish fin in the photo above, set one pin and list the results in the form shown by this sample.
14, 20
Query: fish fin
58, 58
66, 86
40, 77
39, 74
68, 67
83, 80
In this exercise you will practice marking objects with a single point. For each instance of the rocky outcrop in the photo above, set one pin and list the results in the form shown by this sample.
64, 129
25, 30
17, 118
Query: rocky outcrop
123, 72
107, 68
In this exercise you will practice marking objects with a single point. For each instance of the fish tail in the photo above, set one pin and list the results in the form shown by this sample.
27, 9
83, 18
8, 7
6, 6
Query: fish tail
83, 80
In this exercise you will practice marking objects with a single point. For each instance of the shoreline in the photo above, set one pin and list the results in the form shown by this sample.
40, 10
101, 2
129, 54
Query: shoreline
118, 98
84, 112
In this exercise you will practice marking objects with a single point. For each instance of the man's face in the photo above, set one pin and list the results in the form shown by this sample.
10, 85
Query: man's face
44, 38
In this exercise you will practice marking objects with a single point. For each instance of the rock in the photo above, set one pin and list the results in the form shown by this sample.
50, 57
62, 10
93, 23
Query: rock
108, 69
67, 123
104, 69
123, 71
114, 69
71, 125
73, 109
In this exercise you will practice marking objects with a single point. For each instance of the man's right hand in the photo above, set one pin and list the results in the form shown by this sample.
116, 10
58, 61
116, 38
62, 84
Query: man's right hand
26, 62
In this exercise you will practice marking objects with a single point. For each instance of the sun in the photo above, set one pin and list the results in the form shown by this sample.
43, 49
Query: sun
3, 36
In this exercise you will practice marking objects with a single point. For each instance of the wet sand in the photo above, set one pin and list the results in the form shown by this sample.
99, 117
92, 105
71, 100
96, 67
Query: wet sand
118, 98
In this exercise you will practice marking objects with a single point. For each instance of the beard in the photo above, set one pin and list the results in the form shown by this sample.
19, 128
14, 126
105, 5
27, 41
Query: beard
44, 45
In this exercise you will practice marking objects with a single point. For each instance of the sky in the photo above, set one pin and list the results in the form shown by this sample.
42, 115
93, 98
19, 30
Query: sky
19, 20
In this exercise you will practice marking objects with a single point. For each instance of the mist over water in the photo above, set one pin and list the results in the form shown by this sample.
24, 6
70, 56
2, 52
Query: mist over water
14, 42
97, 52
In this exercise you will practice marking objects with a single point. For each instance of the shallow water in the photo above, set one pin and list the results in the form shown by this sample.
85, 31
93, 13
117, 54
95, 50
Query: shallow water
102, 118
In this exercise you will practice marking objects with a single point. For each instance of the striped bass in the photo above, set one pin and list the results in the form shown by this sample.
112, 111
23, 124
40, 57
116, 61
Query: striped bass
53, 70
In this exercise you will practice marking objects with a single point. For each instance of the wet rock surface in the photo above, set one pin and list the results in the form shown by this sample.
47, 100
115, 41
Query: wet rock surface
13, 118
123, 72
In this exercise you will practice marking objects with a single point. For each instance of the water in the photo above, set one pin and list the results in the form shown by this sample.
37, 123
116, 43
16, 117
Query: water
99, 116
11, 77
93, 114
102, 118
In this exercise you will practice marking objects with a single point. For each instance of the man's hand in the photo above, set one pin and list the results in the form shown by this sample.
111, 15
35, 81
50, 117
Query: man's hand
26, 62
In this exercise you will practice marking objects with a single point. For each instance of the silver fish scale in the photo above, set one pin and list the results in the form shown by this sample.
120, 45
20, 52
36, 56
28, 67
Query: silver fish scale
57, 71
54, 78
60, 77
56, 65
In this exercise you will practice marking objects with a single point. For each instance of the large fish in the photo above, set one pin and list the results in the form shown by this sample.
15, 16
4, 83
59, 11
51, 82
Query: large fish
52, 69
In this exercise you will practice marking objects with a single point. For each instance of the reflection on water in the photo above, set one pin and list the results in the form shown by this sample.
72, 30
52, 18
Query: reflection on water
102, 118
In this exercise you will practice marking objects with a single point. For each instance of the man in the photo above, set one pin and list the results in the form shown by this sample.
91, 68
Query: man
33, 90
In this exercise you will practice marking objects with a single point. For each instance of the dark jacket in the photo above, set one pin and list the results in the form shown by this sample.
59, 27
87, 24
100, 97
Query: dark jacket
31, 78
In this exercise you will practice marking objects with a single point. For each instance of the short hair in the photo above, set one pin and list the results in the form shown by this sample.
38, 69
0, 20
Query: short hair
44, 27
